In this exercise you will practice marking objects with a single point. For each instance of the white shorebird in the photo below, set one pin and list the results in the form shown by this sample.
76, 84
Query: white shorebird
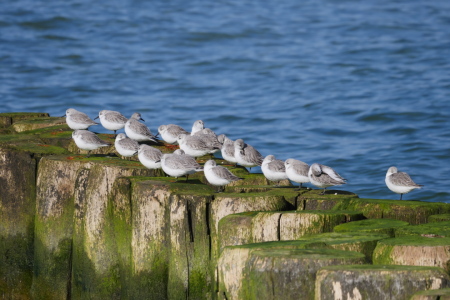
112, 120
218, 175
150, 157
323, 176
169, 133
246, 155
137, 131
193, 145
126, 146
273, 169
210, 139
197, 126
87, 140
179, 164
78, 120
297, 171
400, 182
227, 149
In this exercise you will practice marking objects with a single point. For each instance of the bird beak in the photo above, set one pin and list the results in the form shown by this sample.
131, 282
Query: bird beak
63, 116
96, 118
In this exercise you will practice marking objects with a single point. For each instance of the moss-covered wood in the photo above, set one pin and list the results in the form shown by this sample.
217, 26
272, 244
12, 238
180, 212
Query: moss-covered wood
436, 230
413, 251
7, 119
232, 262
377, 282
349, 241
33, 124
439, 218
254, 227
105, 228
383, 226
413, 212
294, 225
17, 209
290, 274
312, 199
440, 294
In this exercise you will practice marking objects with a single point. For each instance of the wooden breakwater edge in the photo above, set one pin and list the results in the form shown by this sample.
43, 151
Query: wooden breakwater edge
73, 227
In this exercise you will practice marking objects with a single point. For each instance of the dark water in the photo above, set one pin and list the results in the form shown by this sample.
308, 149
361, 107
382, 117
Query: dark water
356, 85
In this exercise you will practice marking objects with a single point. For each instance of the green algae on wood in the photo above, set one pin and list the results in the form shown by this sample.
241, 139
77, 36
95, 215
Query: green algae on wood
7, 119
33, 124
56, 185
254, 227
349, 241
438, 229
235, 229
94, 241
312, 199
377, 282
226, 204
294, 225
372, 225
413, 212
190, 274
290, 274
413, 251
17, 209
233, 259
439, 218
439, 294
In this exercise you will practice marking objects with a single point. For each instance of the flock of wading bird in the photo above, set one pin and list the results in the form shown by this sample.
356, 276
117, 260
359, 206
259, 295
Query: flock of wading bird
202, 141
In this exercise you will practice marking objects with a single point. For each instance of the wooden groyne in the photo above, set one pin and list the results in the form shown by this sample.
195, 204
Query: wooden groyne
102, 227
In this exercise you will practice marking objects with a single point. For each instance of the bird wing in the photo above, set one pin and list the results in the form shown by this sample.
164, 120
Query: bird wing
117, 118
277, 166
176, 130
224, 173
153, 154
196, 143
333, 174
402, 179
82, 118
252, 154
94, 139
188, 162
301, 168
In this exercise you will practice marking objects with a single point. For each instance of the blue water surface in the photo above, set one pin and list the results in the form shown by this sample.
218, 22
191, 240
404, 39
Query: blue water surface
356, 85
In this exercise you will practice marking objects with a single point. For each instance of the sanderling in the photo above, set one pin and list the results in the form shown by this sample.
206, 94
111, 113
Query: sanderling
126, 146
400, 182
246, 155
197, 126
169, 133
193, 145
179, 164
297, 171
210, 139
150, 157
227, 149
324, 176
78, 120
87, 140
273, 169
218, 175
112, 120
137, 131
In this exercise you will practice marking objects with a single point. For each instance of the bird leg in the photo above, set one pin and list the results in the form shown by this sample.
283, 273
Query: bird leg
299, 187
